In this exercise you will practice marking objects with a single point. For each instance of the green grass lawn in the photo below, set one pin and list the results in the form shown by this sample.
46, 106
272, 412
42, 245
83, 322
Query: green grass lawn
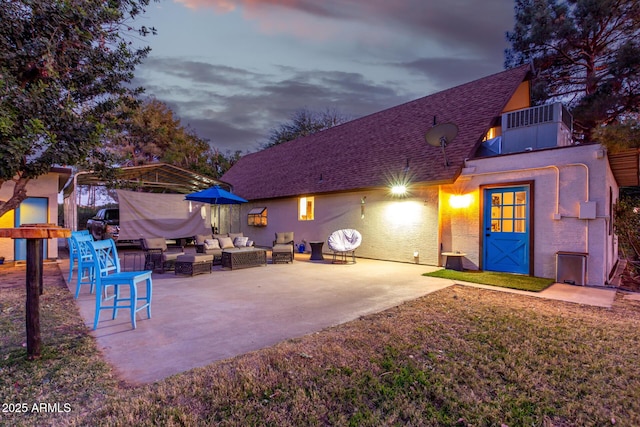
504, 280
461, 356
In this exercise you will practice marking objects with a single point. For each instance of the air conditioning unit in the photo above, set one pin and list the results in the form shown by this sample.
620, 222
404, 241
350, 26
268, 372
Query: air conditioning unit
538, 127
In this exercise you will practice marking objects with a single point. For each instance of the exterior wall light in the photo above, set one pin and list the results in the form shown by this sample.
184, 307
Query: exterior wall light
399, 190
458, 201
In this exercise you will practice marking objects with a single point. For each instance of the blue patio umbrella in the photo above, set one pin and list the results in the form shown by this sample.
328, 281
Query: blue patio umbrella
216, 195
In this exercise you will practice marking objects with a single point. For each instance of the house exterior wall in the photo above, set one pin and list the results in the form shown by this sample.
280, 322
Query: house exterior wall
44, 186
392, 228
425, 223
521, 98
559, 179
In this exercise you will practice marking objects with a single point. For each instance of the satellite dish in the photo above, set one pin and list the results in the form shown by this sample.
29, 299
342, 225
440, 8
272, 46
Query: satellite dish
440, 135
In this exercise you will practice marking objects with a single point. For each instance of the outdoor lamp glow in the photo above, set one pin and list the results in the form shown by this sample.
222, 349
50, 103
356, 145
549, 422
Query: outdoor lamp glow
399, 189
458, 201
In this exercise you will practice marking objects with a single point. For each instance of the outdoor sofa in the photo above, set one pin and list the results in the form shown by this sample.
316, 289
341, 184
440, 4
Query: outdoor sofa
213, 244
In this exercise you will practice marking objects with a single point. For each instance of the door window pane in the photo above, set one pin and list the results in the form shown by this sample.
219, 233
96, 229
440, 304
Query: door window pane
507, 212
507, 198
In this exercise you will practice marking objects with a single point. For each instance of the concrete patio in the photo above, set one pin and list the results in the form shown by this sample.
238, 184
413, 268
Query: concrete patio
199, 320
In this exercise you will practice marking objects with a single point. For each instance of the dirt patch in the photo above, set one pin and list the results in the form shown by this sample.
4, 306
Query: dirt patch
630, 277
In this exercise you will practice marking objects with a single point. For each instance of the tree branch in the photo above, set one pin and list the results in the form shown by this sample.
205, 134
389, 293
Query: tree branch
19, 194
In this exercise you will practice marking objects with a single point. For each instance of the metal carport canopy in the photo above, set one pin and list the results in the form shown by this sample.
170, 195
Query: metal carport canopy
154, 178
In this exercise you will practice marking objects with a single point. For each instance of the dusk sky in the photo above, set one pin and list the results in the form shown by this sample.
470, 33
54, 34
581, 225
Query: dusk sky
234, 69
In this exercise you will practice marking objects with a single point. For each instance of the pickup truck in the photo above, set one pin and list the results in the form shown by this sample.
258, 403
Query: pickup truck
105, 224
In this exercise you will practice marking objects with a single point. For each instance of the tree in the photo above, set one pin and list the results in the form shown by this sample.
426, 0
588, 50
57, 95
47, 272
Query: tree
627, 224
302, 123
64, 69
221, 163
585, 53
151, 133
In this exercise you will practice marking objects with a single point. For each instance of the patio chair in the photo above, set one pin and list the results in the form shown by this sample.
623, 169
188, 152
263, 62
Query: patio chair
73, 251
341, 242
282, 251
156, 255
108, 274
85, 274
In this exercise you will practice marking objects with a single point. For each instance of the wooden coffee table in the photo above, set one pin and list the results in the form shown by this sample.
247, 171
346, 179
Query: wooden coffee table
243, 258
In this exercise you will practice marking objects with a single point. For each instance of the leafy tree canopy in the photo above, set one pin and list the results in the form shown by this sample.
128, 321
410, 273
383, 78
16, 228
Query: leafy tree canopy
64, 65
585, 53
302, 123
151, 132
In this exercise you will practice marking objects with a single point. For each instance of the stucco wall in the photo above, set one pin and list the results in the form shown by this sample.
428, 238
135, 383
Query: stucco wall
44, 186
424, 222
392, 228
556, 225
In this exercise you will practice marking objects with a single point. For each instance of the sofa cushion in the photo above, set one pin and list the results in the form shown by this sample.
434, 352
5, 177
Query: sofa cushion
225, 242
211, 244
155, 243
194, 258
240, 241
279, 248
234, 235
171, 256
200, 238
284, 237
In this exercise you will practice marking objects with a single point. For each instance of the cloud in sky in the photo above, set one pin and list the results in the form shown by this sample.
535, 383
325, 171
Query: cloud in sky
234, 69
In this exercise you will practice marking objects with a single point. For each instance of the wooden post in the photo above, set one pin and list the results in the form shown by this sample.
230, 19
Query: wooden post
34, 286
35, 235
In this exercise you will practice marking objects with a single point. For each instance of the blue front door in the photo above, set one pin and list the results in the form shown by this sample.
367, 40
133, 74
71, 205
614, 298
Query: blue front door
507, 229
32, 210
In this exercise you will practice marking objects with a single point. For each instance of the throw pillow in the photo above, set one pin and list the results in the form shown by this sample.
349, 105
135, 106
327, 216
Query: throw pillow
225, 242
200, 238
240, 242
249, 242
211, 244
234, 235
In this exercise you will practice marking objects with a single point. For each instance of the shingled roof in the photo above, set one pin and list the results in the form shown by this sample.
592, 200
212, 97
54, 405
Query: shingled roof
365, 152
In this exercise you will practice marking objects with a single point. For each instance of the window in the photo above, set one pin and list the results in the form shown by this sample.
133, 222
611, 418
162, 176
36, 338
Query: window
492, 133
257, 217
305, 208
508, 212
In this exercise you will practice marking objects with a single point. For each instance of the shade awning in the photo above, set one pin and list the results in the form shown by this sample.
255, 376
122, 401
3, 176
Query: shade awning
152, 178
625, 166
